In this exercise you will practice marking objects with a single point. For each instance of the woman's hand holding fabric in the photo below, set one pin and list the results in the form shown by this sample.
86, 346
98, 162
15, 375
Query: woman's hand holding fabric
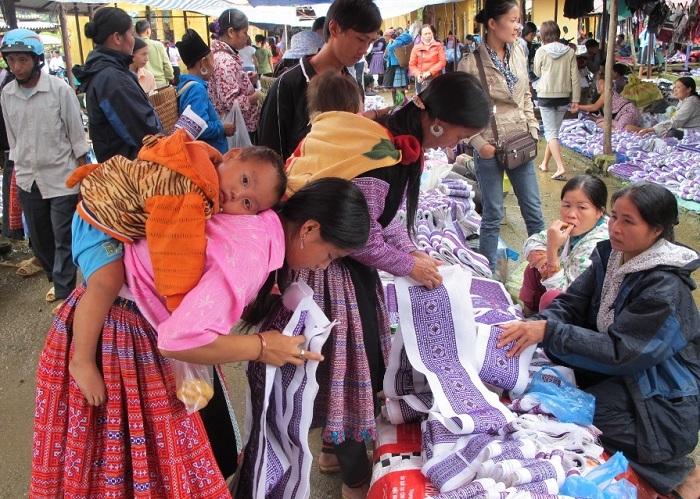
425, 270
280, 349
229, 129
523, 334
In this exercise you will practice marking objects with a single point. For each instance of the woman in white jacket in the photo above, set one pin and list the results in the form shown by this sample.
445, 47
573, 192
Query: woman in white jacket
555, 65
688, 112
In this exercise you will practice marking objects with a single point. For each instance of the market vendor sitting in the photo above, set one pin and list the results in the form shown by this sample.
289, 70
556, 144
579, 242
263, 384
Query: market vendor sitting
688, 112
625, 115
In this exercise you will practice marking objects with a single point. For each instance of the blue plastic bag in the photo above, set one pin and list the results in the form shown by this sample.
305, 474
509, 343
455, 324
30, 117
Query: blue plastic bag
578, 486
566, 402
598, 483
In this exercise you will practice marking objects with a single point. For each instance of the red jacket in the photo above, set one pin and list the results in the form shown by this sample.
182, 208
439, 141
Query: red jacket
427, 58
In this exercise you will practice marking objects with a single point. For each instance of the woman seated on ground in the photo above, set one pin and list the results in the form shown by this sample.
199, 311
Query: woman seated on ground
558, 255
625, 115
142, 438
688, 112
630, 329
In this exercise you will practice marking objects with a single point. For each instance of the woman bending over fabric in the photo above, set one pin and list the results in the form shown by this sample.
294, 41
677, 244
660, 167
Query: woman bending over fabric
630, 329
625, 114
557, 256
688, 112
386, 165
142, 442
504, 66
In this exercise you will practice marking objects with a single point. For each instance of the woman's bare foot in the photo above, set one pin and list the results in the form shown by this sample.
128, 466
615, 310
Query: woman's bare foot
355, 492
328, 463
690, 488
543, 167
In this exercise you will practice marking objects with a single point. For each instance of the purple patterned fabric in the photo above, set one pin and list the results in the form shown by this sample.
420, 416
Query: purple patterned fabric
386, 249
277, 459
432, 319
391, 305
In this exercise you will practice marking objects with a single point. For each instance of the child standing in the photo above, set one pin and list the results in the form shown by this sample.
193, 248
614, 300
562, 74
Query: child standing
165, 195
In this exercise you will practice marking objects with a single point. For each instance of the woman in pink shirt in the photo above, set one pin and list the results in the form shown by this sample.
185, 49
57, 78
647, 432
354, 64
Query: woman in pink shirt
142, 442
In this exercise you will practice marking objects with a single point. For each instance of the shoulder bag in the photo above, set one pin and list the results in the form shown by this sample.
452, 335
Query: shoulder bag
515, 149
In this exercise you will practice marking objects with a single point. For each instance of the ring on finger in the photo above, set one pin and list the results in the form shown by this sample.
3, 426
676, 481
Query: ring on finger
302, 353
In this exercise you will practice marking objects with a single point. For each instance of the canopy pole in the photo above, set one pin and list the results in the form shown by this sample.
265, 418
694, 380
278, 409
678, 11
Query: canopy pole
78, 34
609, 61
632, 40
66, 44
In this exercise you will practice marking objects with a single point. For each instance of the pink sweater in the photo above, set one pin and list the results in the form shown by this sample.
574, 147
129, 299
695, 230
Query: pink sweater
241, 251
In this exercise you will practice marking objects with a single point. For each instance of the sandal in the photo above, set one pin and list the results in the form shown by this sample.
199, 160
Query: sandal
28, 268
51, 295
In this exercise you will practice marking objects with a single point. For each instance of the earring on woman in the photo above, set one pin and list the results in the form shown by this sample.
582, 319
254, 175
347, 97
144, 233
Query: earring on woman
203, 71
303, 236
436, 130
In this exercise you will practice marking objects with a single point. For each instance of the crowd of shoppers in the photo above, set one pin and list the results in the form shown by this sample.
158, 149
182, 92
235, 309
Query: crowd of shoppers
335, 231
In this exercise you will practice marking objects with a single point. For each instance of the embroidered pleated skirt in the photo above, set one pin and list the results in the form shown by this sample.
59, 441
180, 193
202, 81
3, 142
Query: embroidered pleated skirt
141, 443
356, 351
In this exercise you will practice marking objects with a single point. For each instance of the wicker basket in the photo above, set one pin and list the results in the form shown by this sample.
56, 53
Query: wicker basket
164, 101
403, 54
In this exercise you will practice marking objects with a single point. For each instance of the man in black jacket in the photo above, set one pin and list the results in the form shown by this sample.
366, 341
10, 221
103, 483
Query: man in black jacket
351, 27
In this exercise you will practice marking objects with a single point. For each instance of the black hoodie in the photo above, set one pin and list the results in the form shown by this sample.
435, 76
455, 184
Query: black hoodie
120, 114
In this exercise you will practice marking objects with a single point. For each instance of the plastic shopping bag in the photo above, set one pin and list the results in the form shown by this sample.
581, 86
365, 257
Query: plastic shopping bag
562, 399
240, 138
599, 483
195, 384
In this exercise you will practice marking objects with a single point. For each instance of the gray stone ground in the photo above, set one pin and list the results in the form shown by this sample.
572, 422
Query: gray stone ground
25, 318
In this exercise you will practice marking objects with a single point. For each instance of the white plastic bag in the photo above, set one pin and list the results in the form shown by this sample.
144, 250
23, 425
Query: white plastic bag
195, 384
240, 138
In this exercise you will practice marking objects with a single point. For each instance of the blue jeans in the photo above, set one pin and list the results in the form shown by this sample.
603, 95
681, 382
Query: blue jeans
489, 173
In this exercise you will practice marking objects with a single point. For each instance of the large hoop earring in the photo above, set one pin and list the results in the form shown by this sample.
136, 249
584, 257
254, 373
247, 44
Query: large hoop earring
436, 130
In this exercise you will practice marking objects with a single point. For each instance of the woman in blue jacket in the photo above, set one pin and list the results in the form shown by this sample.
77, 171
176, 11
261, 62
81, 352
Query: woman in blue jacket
630, 329
119, 112
192, 90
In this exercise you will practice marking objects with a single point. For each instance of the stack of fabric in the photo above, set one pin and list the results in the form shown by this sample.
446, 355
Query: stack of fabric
444, 369
670, 162
446, 223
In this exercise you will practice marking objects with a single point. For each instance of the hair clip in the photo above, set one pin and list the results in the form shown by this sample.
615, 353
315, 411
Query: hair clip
418, 101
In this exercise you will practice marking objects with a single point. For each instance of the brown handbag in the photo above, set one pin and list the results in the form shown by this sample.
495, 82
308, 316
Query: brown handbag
515, 149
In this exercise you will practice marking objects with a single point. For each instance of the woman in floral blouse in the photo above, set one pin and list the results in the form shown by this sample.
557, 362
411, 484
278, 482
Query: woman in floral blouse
229, 83
560, 254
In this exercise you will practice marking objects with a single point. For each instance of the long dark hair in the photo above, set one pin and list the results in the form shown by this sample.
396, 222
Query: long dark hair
456, 98
493, 9
340, 208
656, 205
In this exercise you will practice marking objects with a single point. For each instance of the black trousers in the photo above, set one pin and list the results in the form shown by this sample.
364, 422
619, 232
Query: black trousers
217, 423
49, 222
